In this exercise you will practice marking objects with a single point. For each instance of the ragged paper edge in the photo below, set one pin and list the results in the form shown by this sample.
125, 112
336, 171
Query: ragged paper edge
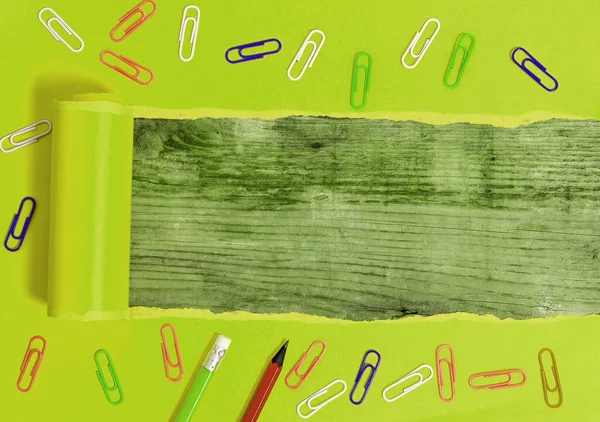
96, 103
140, 312
89, 316
423, 117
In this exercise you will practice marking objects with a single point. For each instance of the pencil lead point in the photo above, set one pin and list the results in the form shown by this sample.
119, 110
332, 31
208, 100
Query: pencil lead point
280, 355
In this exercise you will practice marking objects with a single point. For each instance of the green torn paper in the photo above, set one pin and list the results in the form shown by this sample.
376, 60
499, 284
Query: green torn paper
89, 228
365, 219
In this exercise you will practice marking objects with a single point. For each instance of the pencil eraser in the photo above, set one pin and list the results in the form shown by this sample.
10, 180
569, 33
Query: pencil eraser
223, 342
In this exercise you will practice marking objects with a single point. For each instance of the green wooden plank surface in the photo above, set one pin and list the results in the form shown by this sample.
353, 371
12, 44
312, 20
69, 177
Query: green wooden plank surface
366, 219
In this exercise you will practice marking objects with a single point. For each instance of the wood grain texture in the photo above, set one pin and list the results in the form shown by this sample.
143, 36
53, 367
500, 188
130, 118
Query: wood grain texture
366, 219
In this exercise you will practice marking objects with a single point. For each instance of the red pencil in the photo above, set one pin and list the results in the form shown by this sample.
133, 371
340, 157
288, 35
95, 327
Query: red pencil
266, 385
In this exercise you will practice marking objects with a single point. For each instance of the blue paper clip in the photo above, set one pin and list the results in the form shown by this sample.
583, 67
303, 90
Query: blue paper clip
247, 58
363, 367
11, 232
537, 64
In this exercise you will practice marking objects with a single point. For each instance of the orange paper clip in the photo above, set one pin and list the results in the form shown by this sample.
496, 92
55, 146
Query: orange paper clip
28, 355
545, 386
136, 24
502, 384
166, 358
137, 68
302, 377
439, 361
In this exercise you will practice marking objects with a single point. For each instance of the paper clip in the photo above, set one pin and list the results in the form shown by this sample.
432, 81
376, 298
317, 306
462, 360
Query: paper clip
499, 385
545, 386
28, 355
363, 367
416, 373
16, 145
11, 232
531, 59
367, 84
318, 394
466, 55
135, 66
63, 24
116, 384
451, 366
136, 24
294, 370
414, 42
311, 58
165, 352
184, 21
247, 57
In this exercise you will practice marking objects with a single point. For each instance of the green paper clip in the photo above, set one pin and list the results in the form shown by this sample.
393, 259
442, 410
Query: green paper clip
355, 71
116, 384
466, 55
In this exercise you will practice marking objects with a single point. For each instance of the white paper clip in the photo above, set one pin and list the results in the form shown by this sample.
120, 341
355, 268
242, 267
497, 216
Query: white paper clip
315, 409
184, 22
415, 373
26, 142
64, 25
414, 42
313, 54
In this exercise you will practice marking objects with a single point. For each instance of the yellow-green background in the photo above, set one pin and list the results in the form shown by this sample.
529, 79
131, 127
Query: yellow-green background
36, 69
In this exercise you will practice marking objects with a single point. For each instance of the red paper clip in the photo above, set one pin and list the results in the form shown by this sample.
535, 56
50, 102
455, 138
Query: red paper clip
502, 384
452, 368
135, 66
136, 24
165, 352
295, 369
28, 355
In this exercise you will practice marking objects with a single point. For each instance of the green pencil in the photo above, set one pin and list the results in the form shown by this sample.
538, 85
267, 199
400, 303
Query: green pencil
194, 394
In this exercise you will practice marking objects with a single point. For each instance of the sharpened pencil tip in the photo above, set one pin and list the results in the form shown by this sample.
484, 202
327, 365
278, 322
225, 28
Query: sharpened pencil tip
280, 355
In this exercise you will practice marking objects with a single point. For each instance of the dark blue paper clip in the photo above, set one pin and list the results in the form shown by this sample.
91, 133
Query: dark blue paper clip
363, 367
11, 232
247, 58
537, 64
